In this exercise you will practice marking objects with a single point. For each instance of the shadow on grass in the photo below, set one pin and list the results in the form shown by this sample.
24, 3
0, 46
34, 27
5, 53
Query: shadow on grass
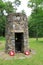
41, 42
2, 38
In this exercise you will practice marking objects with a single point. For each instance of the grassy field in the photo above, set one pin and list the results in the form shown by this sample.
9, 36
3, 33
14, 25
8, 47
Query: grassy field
36, 59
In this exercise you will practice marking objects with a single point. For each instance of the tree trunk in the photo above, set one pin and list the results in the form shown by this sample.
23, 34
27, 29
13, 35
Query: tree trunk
37, 33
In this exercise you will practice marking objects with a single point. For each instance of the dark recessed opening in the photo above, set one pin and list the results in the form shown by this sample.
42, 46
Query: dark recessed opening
19, 42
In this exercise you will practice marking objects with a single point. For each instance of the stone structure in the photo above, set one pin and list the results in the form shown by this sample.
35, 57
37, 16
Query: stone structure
16, 32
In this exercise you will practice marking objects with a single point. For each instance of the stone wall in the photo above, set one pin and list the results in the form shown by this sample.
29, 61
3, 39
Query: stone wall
16, 23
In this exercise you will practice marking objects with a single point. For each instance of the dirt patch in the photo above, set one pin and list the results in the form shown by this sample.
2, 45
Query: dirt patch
5, 56
33, 51
1, 44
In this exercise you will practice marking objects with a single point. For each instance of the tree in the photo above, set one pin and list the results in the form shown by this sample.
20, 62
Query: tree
8, 7
2, 18
36, 16
36, 23
3, 6
16, 4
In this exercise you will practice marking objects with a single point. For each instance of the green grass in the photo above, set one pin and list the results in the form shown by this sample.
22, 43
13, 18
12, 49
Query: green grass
2, 43
36, 59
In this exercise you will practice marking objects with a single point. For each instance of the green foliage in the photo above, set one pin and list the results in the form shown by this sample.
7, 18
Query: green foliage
34, 3
8, 7
2, 5
17, 2
36, 23
2, 25
36, 18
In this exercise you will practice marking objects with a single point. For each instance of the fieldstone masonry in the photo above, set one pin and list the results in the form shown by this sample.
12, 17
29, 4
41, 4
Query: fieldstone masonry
16, 32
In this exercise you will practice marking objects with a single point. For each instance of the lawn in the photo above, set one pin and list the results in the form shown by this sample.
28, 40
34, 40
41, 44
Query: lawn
36, 59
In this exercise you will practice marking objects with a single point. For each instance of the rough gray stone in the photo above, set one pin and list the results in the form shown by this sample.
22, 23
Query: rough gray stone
16, 23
